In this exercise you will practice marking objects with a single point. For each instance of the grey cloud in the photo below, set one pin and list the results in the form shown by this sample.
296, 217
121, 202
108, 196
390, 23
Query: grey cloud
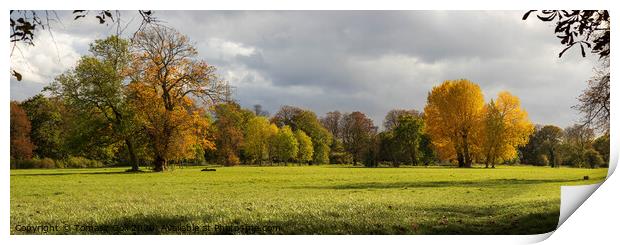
374, 61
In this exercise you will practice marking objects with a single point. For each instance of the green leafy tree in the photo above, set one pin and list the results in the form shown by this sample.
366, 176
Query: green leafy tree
308, 122
338, 155
48, 118
391, 118
530, 152
257, 135
306, 149
601, 145
96, 91
428, 154
550, 140
371, 154
285, 145
408, 134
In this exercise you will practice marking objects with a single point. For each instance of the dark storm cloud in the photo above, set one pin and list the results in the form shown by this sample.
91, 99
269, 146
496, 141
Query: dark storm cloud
374, 61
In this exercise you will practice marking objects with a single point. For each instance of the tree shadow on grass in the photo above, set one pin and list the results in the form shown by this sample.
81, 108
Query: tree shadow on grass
447, 183
441, 220
446, 221
142, 225
460, 222
80, 173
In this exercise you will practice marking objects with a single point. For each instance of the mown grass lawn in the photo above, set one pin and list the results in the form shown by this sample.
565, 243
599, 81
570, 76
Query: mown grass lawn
292, 200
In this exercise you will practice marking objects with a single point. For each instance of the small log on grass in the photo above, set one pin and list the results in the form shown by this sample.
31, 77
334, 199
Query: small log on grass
208, 169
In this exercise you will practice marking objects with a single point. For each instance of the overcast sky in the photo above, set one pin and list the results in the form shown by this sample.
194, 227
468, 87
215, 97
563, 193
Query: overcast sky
369, 61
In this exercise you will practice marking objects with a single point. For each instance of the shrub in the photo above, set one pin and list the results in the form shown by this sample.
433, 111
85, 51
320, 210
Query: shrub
60, 164
71, 162
231, 160
81, 162
46, 163
33, 163
542, 160
341, 158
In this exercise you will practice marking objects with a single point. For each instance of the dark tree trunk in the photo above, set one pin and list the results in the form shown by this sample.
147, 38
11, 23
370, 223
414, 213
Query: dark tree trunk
132, 156
552, 158
160, 164
459, 157
414, 156
466, 155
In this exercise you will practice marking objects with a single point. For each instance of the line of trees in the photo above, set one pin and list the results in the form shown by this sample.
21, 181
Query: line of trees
151, 100
244, 136
575, 146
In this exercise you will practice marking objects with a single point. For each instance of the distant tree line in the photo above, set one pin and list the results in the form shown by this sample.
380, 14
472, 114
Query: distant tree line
150, 101
575, 146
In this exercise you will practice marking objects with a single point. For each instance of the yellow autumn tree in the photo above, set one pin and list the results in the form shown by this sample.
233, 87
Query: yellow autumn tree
505, 127
452, 119
257, 135
172, 134
167, 80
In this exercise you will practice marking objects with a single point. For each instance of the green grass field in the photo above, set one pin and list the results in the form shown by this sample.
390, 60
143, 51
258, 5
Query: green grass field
292, 200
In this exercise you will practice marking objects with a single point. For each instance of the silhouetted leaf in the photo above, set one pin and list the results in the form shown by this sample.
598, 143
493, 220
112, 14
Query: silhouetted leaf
17, 75
561, 53
583, 52
528, 14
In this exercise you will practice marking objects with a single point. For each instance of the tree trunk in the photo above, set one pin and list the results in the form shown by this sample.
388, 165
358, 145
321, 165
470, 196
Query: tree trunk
459, 157
486, 161
552, 158
414, 156
466, 156
132, 156
160, 164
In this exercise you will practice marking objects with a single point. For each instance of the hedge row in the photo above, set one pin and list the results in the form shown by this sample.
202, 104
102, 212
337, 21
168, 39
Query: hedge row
70, 162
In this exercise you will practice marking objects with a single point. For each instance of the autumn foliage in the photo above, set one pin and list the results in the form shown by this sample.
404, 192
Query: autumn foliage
452, 115
153, 100
21, 146
505, 128
166, 78
462, 127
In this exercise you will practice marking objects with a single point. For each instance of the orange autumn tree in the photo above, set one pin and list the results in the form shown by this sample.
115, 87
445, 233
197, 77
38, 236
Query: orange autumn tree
168, 82
505, 127
452, 119
21, 145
